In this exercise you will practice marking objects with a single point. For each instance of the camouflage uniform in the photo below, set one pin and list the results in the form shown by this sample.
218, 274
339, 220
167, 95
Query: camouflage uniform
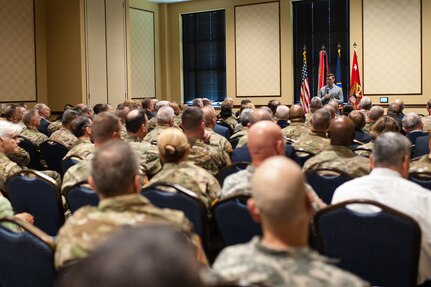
192, 177
207, 157
131, 138
54, 126
420, 165
427, 123
308, 117
295, 130
34, 136
342, 158
65, 137
231, 121
367, 127
22, 125
90, 226
81, 149
238, 183
219, 142
242, 132
7, 211
369, 146
77, 173
177, 120
152, 136
8, 168
123, 132
152, 123
21, 157
242, 141
148, 156
298, 267
313, 142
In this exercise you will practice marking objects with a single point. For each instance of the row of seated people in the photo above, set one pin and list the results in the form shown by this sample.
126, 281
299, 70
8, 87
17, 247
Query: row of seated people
274, 145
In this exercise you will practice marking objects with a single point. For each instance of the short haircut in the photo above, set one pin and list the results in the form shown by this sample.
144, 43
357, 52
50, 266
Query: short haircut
146, 103
156, 255
376, 112
321, 119
358, 119
40, 107
206, 102
10, 111
134, 121
330, 75
282, 112
69, 116
390, 148
114, 168
347, 109
383, 125
29, 116
8, 128
245, 117
365, 103
192, 118
197, 102
104, 125
316, 103
160, 104
165, 115
261, 114
411, 120
98, 108
225, 111
172, 144
79, 125
273, 104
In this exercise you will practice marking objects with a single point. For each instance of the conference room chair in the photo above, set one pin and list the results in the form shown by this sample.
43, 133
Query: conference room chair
27, 257
33, 192
422, 178
180, 198
68, 162
371, 240
303, 155
32, 150
53, 152
79, 195
325, 181
229, 170
233, 220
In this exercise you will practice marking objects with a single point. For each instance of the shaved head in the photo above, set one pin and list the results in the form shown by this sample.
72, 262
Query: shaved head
296, 114
341, 131
278, 191
265, 139
209, 116
260, 115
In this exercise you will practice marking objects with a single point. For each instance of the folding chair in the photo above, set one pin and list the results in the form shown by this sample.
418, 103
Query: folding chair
371, 240
303, 155
32, 150
53, 153
229, 170
234, 221
33, 192
27, 258
80, 195
68, 162
325, 181
422, 178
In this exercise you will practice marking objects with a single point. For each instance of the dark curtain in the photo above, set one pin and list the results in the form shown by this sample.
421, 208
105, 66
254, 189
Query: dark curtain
204, 56
317, 22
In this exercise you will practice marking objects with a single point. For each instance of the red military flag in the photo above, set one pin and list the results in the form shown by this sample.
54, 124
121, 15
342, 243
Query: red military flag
355, 93
323, 69
305, 89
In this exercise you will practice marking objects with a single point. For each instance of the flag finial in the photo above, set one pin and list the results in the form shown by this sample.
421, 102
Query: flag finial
323, 47
305, 48
355, 45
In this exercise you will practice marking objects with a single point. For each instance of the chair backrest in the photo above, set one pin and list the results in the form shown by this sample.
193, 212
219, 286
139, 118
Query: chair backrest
233, 220
29, 147
181, 199
33, 192
80, 195
234, 142
422, 178
325, 181
229, 170
53, 153
27, 258
68, 162
222, 122
380, 246
303, 155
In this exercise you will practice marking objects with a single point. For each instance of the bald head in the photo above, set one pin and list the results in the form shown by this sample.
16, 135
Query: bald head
296, 114
278, 192
260, 115
265, 139
209, 116
400, 103
341, 131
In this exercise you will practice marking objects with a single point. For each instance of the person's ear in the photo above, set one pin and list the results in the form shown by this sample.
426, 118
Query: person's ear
91, 182
137, 183
371, 161
254, 211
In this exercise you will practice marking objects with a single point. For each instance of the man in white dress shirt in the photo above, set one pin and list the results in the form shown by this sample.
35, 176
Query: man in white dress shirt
387, 183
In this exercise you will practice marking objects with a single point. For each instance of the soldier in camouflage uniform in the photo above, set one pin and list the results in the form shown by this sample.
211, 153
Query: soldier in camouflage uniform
9, 144
215, 140
115, 179
21, 157
81, 128
152, 123
174, 148
315, 104
165, 119
375, 113
245, 118
297, 125
282, 256
202, 154
54, 126
64, 134
261, 114
32, 122
339, 155
316, 141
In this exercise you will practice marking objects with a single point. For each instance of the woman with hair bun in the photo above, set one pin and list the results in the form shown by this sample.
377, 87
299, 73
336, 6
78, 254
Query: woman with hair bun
174, 150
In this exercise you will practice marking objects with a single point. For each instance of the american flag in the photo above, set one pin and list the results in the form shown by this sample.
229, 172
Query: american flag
305, 89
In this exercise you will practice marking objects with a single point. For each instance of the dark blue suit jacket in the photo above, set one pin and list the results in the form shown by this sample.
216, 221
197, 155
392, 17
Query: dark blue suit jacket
412, 136
223, 131
362, 137
243, 154
44, 126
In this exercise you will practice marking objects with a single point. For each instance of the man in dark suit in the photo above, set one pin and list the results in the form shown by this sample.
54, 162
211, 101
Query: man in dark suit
413, 127
44, 112
223, 131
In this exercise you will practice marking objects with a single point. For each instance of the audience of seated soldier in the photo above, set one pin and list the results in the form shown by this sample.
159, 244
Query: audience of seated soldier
297, 125
165, 119
315, 104
83, 147
216, 140
375, 113
64, 135
317, 140
413, 127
